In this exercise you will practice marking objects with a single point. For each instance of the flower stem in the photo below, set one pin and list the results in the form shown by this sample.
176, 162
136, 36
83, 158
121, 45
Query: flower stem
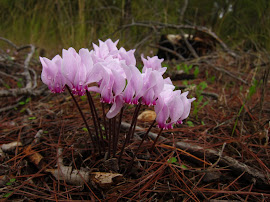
104, 120
118, 130
134, 121
113, 136
137, 151
135, 115
85, 122
98, 122
95, 119
110, 137
91, 105
153, 146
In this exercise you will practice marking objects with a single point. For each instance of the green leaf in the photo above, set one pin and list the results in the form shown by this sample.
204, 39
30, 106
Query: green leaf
185, 82
28, 100
8, 183
22, 103
241, 88
32, 118
200, 98
253, 89
83, 98
7, 195
183, 166
212, 79
97, 95
84, 129
196, 72
140, 67
172, 160
190, 123
22, 110
12, 180
19, 83
6, 85
202, 85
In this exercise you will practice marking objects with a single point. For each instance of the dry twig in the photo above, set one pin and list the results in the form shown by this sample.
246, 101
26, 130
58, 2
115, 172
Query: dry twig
210, 154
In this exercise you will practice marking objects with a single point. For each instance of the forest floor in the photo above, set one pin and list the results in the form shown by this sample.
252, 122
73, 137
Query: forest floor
220, 153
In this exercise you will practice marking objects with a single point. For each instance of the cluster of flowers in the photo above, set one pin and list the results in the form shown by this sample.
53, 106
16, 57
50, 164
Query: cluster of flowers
112, 72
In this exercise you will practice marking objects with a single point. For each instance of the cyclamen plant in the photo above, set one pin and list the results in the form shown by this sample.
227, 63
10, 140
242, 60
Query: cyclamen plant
112, 73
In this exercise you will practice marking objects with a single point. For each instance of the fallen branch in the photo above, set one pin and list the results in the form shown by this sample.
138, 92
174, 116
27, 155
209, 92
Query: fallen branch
159, 25
30, 83
22, 91
213, 154
26, 67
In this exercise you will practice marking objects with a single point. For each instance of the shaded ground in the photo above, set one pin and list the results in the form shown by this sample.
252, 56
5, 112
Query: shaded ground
226, 155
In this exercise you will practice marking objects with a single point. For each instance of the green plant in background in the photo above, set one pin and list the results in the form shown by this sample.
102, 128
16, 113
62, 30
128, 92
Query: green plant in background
25, 102
6, 85
173, 160
187, 68
196, 71
51, 25
11, 181
198, 103
190, 124
20, 83
251, 91
83, 98
211, 79
140, 67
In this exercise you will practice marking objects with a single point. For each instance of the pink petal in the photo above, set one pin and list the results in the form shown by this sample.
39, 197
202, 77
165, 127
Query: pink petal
186, 104
116, 107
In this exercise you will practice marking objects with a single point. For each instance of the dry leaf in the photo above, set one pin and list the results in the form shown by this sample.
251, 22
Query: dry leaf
33, 156
147, 116
106, 180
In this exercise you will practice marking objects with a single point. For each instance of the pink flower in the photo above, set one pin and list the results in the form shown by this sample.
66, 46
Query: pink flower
120, 75
79, 70
118, 80
187, 106
153, 84
113, 80
172, 107
153, 63
105, 49
134, 84
127, 56
51, 74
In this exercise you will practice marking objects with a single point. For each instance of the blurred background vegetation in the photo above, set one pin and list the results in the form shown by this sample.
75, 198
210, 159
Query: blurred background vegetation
56, 24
